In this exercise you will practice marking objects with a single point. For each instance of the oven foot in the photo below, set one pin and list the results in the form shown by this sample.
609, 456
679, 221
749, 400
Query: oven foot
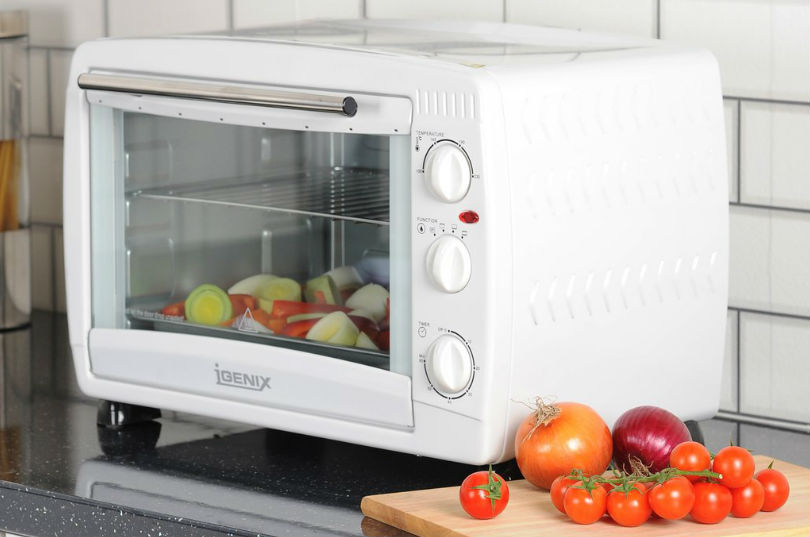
695, 431
126, 430
130, 441
114, 415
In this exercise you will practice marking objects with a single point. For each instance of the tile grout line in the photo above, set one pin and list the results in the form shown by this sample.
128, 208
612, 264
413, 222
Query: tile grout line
52, 233
503, 11
41, 223
46, 136
767, 417
105, 13
229, 15
739, 151
796, 316
48, 107
765, 100
738, 353
51, 47
795, 210
363, 9
658, 19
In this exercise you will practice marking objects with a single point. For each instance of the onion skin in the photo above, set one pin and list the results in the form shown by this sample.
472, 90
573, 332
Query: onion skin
649, 434
576, 438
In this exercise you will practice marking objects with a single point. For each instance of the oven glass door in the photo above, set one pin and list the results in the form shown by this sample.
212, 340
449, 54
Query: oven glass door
278, 237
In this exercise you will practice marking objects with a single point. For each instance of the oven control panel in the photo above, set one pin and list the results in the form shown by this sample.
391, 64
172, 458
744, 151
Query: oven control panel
449, 212
448, 264
448, 172
449, 365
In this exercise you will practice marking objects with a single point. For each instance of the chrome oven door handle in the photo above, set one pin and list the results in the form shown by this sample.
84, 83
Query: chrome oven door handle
212, 91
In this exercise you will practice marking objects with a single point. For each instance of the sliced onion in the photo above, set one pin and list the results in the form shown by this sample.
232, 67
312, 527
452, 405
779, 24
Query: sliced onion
649, 434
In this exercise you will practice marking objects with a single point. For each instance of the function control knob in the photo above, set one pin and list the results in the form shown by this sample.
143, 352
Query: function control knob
448, 264
449, 365
448, 172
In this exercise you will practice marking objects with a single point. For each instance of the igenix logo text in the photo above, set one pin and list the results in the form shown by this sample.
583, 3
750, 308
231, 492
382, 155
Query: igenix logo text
240, 379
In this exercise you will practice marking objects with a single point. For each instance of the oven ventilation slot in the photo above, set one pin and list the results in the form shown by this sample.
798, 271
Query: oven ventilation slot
353, 194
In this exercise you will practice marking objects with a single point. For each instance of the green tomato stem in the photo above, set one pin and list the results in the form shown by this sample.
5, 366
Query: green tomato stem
624, 478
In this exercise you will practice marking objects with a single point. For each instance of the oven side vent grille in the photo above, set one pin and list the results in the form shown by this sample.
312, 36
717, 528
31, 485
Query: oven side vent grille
456, 105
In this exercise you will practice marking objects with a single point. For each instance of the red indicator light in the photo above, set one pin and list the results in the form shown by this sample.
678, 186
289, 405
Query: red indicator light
468, 217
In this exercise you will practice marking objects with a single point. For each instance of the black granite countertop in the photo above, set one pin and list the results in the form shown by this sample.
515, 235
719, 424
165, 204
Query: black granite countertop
61, 475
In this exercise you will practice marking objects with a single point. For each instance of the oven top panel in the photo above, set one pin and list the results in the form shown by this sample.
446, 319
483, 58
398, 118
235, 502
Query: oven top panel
473, 44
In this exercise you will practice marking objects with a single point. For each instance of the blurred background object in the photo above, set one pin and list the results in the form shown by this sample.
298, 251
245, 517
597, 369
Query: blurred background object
15, 408
15, 235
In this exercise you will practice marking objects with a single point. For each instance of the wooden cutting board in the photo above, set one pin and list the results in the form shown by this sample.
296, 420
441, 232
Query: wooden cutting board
530, 513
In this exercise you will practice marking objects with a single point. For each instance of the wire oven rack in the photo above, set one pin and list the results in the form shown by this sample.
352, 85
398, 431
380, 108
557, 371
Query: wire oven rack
353, 194
372, 358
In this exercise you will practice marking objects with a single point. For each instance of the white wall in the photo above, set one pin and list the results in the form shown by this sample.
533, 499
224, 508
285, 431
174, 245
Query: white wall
763, 47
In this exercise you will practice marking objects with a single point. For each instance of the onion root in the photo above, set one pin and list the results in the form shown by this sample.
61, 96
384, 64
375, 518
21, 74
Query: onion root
544, 413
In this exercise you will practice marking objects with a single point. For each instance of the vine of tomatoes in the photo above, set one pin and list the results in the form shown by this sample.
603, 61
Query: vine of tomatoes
706, 488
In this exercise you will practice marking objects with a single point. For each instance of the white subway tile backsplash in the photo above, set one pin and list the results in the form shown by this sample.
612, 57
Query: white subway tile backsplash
775, 366
783, 445
45, 176
59, 271
763, 46
770, 260
730, 109
38, 118
255, 13
42, 272
485, 10
718, 433
159, 17
637, 17
728, 389
61, 23
60, 70
775, 154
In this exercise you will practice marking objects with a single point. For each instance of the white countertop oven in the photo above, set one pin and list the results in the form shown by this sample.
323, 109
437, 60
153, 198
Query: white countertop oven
394, 233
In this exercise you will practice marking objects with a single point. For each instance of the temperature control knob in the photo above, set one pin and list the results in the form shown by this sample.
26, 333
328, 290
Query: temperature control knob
448, 264
449, 365
448, 172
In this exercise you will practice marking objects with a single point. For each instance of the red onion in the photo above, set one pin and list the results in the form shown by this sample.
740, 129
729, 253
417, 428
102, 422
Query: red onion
648, 433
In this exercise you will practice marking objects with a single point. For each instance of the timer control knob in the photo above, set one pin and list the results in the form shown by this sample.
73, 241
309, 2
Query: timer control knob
448, 172
448, 264
449, 365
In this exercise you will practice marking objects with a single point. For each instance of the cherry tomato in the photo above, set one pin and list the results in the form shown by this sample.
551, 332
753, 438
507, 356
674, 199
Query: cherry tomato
776, 488
735, 464
484, 494
672, 499
558, 488
629, 508
748, 500
712, 503
584, 506
178, 309
692, 457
